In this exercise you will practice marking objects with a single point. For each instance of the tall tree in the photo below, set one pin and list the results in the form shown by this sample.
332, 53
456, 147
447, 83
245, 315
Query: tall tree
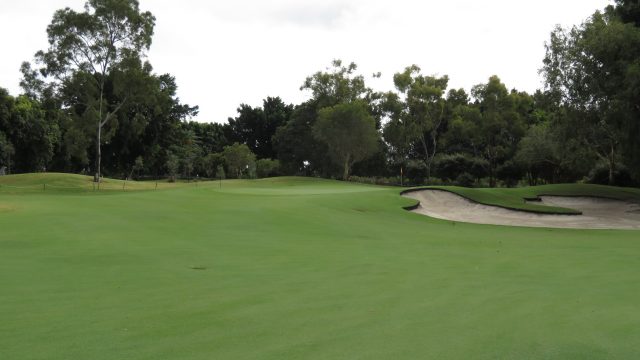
256, 127
496, 125
29, 139
594, 69
350, 133
338, 84
418, 114
95, 42
238, 158
300, 152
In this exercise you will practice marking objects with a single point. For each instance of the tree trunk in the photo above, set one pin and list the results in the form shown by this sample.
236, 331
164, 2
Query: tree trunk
427, 158
98, 154
612, 165
345, 174
492, 179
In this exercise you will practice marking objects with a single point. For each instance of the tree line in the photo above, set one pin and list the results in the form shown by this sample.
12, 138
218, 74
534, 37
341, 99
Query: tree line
92, 104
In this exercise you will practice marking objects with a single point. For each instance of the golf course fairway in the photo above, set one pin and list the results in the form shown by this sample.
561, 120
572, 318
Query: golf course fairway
298, 268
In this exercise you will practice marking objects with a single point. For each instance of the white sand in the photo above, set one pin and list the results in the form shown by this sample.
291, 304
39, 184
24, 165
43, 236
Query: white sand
597, 213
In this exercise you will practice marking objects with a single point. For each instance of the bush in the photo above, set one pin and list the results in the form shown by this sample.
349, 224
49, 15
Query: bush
465, 179
415, 172
385, 181
267, 168
211, 163
172, 164
220, 173
510, 173
621, 176
450, 166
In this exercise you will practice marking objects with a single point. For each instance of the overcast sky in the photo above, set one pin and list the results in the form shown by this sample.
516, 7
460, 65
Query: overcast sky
224, 53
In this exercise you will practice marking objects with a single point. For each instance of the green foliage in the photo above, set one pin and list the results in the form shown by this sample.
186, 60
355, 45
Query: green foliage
138, 166
416, 122
267, 168
92, 52
299, 151
349, 132
256, 127
465, 179
339, 84
451, 166
173, 165
496, 124
220, 174
212, 163
7, 151
239, 159
29, 139
593, 70
95, 97
621, 177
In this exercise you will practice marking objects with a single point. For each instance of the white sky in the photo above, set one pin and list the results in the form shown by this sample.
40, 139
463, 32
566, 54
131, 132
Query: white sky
224, 53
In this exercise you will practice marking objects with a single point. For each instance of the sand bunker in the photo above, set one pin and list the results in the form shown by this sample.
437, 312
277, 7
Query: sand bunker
597, 213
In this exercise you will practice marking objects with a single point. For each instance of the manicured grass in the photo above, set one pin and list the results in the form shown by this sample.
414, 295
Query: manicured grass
293, 268
514, 198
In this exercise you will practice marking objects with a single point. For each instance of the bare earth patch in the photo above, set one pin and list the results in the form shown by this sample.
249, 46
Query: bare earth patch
597, 213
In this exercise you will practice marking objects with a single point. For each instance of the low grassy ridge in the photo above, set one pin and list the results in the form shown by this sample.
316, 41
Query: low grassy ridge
58, 182
517, 198
294, 268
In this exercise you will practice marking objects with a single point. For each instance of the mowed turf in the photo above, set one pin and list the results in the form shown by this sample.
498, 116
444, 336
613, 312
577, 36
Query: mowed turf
293, 268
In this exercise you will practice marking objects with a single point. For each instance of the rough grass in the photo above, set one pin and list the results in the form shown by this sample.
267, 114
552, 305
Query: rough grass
302, 269
515, 198
59, 182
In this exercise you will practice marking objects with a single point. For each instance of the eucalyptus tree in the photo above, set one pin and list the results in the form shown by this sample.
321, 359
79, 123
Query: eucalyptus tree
338, 84
88, 46
350, 133
416, 114
496, 125
593, 69
299, 150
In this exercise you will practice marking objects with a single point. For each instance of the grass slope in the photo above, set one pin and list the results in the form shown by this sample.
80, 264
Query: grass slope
59, 182
294, 268
514, 198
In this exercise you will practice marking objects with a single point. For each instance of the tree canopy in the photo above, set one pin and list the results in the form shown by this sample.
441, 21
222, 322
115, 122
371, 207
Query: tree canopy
92, 104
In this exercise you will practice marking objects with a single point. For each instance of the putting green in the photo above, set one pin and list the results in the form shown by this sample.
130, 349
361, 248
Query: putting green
293, 268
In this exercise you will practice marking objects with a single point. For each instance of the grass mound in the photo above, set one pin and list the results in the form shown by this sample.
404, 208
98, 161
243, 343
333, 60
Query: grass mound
61, 182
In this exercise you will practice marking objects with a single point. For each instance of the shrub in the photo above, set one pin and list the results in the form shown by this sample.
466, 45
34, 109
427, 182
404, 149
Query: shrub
220, 172
415, 171
510, 173
386, 181
267, 168
621, 176
465, 179
450, 166
172, 164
